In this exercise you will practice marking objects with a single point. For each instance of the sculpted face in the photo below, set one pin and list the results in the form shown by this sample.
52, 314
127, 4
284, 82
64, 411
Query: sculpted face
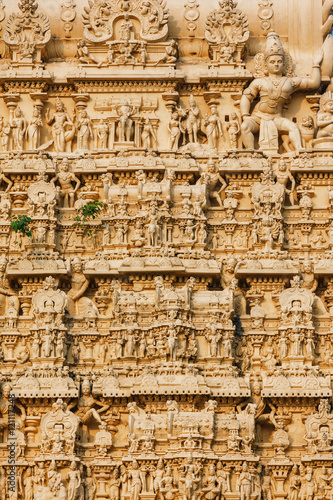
329, 107
282, 166
85, 389
275, 65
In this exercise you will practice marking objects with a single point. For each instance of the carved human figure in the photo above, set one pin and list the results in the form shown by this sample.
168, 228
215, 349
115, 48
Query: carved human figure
171, 54
6, 405
5, 131
274, 91
28, 483
283, 177
212, 179
261, 405
84, 130
23, 353
75, 487
65, 179
153, 231
5, 206
86, 405
76, 350
79, 284
148, 134
125, 123
115, 484
7, 294
190, 480
60, 120
227, 277
137, 481
54, 478
233, 128
102, 130
294, 483
245, 482
84, 55
267, 487
211, 486
213, 128
325, 116
19, 126
126, 27
174, 129
34, 128
192, 122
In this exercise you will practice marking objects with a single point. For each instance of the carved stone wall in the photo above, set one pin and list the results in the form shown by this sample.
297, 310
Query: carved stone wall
166, 250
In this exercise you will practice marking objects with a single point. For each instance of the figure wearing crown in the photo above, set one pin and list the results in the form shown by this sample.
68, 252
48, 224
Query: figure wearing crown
274, 87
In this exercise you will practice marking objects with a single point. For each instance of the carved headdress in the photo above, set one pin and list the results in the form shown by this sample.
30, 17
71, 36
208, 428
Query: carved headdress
325, 98
273, 48
273, 45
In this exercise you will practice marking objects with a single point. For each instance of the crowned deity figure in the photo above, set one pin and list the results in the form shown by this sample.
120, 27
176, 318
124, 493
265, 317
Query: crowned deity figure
274, 87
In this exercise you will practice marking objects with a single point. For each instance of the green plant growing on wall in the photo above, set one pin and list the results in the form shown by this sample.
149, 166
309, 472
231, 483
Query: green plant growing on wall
21, 224
91, 210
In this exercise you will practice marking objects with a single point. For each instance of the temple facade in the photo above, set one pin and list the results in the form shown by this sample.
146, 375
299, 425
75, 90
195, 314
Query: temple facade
166, 250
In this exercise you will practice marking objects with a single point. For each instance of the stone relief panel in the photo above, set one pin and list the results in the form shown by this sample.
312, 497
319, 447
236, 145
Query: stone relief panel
166, 239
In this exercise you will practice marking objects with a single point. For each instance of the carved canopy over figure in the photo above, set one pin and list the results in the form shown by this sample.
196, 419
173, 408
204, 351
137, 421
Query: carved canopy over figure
100, 15
228, 29
27, 32
274, 85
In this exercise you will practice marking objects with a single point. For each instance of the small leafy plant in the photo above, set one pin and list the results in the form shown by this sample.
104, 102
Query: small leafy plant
21, 224
90, 210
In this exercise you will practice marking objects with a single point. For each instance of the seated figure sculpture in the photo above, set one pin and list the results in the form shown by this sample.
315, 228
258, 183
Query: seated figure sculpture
325, 116
274, 87
77, 304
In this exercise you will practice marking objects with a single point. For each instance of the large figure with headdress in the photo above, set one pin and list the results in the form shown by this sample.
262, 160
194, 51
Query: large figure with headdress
274, 86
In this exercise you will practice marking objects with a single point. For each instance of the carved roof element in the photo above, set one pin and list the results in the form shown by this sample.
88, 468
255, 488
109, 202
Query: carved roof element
100, 15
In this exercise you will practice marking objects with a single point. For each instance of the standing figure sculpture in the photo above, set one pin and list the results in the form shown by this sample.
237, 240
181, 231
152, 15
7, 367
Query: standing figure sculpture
65, 179
213, 128
19, 125
124, 129
34, 127
75, 486
59, 121
84, 130
192, 122
274, 90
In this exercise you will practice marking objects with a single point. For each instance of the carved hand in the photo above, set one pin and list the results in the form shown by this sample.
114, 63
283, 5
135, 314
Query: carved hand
318, 57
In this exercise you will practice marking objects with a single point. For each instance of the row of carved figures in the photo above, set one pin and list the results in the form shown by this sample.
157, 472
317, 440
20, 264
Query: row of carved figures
254, 481
129, 128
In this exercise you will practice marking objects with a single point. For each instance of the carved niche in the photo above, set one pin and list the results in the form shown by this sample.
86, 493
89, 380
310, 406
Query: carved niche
58, 429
